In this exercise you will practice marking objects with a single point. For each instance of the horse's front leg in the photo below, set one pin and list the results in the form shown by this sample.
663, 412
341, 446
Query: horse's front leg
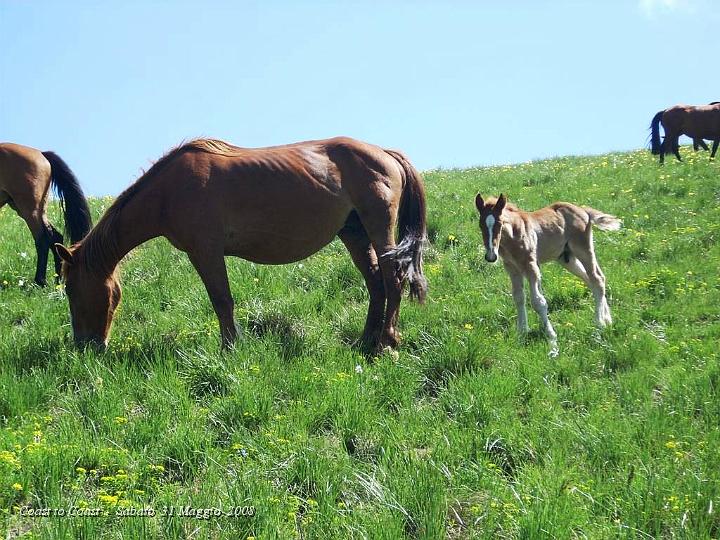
518, 294
539, 303
212, 271
715, 145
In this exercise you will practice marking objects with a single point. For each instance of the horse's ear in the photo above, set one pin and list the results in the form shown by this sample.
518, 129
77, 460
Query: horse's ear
65, 254
479, 203
500, 204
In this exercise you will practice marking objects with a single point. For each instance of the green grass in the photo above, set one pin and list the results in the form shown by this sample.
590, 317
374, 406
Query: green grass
468, 433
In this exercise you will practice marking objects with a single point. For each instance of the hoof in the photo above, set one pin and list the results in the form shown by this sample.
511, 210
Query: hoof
389, 351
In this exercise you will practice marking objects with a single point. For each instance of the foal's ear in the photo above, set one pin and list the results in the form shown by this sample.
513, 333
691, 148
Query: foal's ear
65, 254
500, 204
479, 203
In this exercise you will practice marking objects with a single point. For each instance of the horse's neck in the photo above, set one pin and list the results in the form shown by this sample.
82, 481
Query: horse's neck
512, 224
136, 223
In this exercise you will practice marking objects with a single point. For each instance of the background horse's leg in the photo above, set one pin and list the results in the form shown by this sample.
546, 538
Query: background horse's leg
56, 238
699, 143
518, 294
210, 265
357, 242
662, 151
538, 301
674, 140
41, 232
716, 143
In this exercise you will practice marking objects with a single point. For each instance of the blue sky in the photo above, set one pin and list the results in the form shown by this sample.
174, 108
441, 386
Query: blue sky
112, 86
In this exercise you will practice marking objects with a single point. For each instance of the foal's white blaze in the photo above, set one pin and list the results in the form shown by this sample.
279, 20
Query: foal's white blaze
490, 223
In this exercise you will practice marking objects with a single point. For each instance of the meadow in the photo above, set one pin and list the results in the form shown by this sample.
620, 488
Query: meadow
469, 432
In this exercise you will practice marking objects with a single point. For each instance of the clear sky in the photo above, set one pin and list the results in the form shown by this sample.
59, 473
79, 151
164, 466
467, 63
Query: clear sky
111, 86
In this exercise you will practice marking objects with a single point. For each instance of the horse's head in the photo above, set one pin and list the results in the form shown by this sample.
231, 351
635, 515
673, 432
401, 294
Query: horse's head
93, 299
491, 223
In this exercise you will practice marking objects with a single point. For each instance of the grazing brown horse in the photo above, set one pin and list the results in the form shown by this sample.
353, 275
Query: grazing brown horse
560, 232
698, 123
271, 205
26, 175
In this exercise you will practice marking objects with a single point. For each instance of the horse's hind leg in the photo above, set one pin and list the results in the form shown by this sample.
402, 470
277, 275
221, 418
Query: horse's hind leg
595, 280
210, 265
40, 230
699, 143
380, 227
56, 238
357, 242
673, 140
574, 267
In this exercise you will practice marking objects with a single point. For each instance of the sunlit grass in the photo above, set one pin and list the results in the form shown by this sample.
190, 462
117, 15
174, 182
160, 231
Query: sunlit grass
468, 432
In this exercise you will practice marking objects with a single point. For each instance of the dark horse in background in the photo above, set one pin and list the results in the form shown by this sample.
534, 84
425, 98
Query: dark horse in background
26, 175
699, 123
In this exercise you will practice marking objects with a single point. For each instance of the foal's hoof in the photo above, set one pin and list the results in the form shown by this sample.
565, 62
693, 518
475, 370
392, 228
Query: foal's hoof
554, 349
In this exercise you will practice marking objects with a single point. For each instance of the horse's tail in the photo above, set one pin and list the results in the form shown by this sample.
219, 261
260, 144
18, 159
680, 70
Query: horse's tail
72, 200
603, 221
655, 133
412, 223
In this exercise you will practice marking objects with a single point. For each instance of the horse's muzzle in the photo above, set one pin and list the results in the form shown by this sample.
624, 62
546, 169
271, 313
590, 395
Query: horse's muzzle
491, 257
94, 344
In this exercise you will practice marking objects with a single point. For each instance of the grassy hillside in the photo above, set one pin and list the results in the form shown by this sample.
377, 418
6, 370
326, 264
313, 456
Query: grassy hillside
468, 433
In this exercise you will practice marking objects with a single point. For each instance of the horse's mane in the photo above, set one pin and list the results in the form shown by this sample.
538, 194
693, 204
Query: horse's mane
100, 248
508, 205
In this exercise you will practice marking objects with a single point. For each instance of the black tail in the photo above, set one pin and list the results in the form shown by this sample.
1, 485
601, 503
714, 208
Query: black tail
72, 199
412, 223
655, 133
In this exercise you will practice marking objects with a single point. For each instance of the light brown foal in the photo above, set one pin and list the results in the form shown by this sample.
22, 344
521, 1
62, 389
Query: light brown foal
560, 232
267, 205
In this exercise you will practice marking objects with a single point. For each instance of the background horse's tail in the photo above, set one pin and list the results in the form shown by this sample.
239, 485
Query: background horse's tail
655, 133
412, 223
72, 200
603, 221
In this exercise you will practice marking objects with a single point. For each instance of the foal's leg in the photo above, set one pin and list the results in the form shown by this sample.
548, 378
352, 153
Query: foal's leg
356, 240
715, 145
574, 267
518, 294
538, 301
595, 280
211, 268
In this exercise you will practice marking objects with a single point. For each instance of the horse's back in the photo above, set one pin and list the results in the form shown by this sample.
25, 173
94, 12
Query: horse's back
22, 169
275, 204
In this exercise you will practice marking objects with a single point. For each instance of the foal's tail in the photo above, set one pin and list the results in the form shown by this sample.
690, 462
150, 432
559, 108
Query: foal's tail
603, 221
412, 223
655, 133
72, 199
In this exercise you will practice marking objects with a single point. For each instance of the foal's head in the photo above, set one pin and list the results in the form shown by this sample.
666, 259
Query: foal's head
93, 299
491, 223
